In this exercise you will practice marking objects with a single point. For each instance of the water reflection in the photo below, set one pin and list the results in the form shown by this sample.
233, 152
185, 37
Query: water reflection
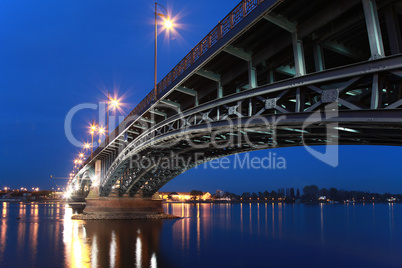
3, 230
4, 210
110, 243
33, 238
391, 219
21, 230
225, 235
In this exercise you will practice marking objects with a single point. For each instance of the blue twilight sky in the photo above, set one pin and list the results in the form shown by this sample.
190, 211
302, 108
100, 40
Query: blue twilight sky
55, 55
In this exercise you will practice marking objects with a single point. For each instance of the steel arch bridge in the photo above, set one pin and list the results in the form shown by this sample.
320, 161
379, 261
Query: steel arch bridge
270, 74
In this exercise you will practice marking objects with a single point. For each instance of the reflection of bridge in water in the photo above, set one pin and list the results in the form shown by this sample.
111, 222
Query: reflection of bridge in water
270, 74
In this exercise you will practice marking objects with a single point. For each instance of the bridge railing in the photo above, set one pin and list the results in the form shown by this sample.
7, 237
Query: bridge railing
231, 20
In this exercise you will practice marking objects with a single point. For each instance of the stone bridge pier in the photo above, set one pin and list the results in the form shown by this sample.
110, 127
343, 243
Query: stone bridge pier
115, 207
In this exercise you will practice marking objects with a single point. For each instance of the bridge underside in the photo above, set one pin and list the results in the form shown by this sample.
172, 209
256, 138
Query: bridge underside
357, 104
292, 73
146, 172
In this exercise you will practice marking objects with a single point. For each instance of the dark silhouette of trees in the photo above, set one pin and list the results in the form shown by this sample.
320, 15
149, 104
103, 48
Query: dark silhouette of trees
245, 196
196, 194
292, 193
324, 192
310, 193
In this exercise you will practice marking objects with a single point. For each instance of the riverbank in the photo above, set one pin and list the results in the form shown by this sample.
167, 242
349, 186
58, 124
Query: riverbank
273, 201
39, 201
123, 216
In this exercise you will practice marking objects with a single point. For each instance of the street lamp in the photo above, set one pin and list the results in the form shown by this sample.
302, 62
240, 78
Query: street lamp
168, 25
114, 102
87, 146
92, 131
101, 131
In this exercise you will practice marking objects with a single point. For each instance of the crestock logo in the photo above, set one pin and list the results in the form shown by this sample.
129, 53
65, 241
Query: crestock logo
170, 139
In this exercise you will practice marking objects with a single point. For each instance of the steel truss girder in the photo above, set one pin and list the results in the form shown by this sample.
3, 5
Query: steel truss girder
356, 118
295, 97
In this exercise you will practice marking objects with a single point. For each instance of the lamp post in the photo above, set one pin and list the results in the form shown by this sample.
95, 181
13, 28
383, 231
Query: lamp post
107, 117
93, 128
101, 131
114, 102
168, 25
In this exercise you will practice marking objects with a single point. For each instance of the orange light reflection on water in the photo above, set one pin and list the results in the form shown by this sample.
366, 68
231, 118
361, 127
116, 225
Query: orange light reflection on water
77, 251
21, 229
4, 210
3, 231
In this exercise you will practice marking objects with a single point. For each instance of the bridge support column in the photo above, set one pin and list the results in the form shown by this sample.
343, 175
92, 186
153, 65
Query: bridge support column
318, 58
111, 208
373, 29
298, 54
252, 75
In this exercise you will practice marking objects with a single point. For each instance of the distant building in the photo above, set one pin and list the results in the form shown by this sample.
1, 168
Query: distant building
219, 193
184, 196
221, 196
58, 195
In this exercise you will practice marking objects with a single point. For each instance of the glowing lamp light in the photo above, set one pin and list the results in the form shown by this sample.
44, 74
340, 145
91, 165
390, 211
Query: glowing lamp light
87, 145
81, 155
168, 24
101, 130
67, 195
114, 103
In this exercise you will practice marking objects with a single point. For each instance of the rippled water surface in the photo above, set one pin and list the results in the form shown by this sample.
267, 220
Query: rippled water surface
208, 235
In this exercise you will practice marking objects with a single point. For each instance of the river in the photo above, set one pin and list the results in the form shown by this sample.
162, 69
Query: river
208, 235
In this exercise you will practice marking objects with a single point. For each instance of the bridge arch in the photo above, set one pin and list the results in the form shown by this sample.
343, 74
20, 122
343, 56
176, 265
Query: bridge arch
146, 167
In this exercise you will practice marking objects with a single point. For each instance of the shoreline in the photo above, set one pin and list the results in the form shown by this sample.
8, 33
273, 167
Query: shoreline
274, 201
124, 216
63, 201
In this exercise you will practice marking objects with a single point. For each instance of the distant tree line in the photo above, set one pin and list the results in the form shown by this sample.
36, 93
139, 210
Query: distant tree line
282, 194
17, 193
311, 194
